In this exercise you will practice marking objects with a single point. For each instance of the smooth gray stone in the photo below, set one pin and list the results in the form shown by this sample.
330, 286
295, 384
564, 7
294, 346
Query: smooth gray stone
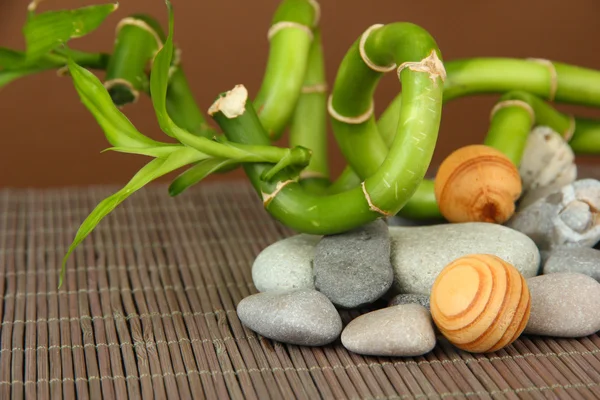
398, 331
420, 253
353, 268
286, 264
582, 260
564, 218
400, 299
563, 305
301, 316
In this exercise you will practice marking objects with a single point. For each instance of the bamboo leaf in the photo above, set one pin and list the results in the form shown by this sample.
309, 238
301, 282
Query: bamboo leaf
11, 59
156, 152
197, 173
8, 76
151, 171
159, 80
46, 31
119, 131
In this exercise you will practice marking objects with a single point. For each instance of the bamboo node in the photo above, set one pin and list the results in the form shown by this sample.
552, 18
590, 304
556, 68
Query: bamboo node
359, 119
365, 57
514, 103
372, 206
33, 5
62, 71
232, 104
568, 135
119, 81
288, 24
316, 88
268, 197
553, 75
317, 7
430, 64
140, 24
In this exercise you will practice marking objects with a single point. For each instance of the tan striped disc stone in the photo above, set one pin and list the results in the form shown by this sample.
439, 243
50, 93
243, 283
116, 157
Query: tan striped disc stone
480, 303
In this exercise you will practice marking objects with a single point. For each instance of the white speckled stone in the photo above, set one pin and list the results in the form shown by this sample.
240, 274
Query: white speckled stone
563, 305
399, 331
547, 161
303, 317
420, 253
286, 264
564, 218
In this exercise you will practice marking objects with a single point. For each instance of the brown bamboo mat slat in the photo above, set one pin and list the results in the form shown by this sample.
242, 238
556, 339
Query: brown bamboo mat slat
148, 311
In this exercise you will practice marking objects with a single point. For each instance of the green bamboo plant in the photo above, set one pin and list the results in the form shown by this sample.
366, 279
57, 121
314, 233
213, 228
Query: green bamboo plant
387, 158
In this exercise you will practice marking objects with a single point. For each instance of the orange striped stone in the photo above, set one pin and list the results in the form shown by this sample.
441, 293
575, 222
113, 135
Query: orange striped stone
480, 303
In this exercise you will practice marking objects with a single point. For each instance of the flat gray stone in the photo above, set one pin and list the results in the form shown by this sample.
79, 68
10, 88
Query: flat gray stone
300, 316
400, 299
420, 253
353, 268
582, 260
563, 305
564, 218
286, 264
399, 331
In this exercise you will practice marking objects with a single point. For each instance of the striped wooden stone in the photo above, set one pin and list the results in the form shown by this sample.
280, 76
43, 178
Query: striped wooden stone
480, 303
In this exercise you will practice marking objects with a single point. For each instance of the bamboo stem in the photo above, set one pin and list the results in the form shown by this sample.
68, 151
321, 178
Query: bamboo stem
136, 44
561, 82
290, 39
308, 126
394, 181
586, 138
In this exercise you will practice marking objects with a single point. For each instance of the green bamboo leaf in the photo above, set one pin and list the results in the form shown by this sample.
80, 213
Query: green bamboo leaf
119, 131
46, 31
151, 171
159, 80
11, 59
156, 152
197, 173
8, 76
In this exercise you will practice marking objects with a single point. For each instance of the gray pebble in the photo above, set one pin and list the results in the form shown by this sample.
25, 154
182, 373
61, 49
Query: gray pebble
563, 305
353, 268
564, 218
420, 253
301, 316
583, 260
286, 264
398, 331
400, 299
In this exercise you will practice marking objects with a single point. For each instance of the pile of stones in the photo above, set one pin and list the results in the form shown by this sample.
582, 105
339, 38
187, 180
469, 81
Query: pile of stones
388, 268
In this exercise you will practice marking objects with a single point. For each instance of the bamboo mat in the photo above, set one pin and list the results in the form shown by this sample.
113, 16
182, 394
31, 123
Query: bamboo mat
148, 311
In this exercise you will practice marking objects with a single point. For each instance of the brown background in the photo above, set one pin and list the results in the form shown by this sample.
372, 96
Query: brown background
49, 139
